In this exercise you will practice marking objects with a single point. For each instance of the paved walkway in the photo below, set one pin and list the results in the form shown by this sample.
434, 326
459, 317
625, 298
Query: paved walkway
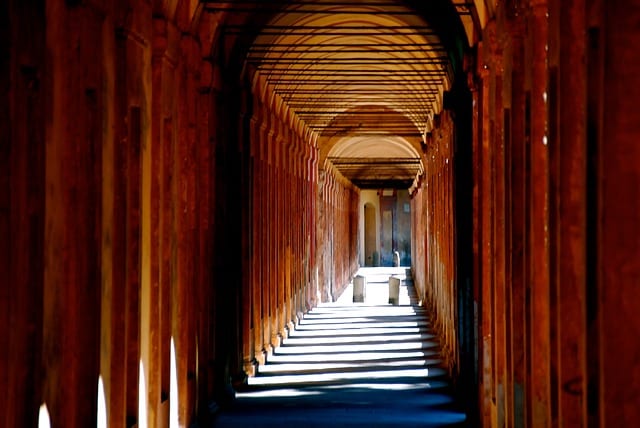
350, 364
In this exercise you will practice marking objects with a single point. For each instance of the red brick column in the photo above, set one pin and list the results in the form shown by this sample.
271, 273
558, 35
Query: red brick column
538, 276
256, 204
484, 159
160, 211
618, 240
23, 100
499, 229
287, 226
247, 303
73, 216
568, 162
515, 147
264, 217
204, 292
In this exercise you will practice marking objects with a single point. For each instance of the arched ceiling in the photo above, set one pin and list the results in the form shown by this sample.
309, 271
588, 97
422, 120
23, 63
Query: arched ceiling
367, 76
368, 162
342, 57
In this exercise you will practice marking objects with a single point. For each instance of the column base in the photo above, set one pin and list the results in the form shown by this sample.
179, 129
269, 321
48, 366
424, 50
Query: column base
251, 367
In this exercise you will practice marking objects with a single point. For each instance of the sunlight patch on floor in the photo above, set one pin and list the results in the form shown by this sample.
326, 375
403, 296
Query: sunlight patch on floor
386, 386
43, 417
102, 406
369, 356
355, 340
353, 348
355, 331
338, 376
280, 393
352, 324
174, 417
300, 367
142, 398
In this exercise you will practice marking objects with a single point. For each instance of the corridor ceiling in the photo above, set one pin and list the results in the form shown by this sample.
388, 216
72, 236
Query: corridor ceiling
366, 76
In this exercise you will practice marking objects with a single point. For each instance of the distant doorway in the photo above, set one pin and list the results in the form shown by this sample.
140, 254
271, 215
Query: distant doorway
370, 233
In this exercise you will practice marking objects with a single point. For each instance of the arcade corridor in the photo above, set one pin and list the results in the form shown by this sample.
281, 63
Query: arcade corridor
183, 181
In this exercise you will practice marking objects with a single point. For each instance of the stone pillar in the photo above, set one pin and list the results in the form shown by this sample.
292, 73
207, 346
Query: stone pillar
617, 156
538, 276
271, 233
184, 304
280, 232
499, 228
257, 229
160, 212
261, 180
73, 216
247, 303
486, 244
168, 189
568, 153
515, 145
310, 235
228, 233
288, 224
24, 89
204, 292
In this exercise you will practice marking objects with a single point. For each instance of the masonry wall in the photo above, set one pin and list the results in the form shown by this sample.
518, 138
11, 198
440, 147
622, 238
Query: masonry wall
22, 201
403, 228
433, 247
338, 249
280, 233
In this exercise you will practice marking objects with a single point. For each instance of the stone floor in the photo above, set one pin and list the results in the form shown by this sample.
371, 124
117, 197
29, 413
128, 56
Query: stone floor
350, 364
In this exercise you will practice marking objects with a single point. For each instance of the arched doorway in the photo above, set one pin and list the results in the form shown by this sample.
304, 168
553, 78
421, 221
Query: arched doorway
371, 257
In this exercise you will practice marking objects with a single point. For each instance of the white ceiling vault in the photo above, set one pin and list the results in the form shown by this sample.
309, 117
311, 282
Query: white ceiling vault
366, 76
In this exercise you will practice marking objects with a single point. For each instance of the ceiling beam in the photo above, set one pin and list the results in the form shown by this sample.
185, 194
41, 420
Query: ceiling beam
382, 184
325, 72
330, 31
341, 83
260, 8
367, 160
344, 48
358, 92
350, 61
305, 2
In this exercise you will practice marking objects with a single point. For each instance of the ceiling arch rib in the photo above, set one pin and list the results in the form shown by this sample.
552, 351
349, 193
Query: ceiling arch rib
354, 72
325, 63
368, 162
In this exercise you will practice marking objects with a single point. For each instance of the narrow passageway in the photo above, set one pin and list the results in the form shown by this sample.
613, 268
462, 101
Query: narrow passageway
353, 364
183, 184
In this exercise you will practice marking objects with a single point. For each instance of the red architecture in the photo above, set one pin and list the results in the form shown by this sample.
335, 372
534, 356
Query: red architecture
179, 184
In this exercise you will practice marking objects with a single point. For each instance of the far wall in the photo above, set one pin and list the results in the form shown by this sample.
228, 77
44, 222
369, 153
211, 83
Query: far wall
392, 224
